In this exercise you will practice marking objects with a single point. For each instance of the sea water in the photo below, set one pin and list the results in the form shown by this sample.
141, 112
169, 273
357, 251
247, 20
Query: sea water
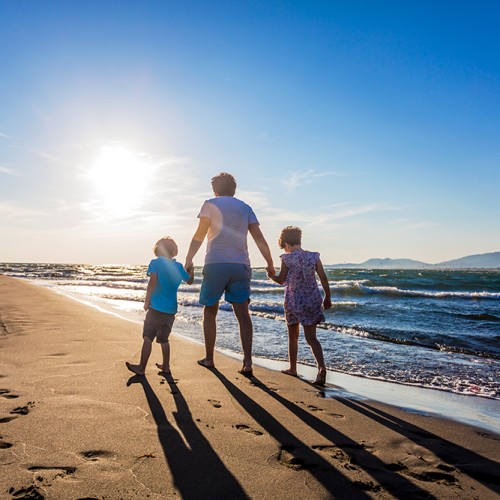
437, 329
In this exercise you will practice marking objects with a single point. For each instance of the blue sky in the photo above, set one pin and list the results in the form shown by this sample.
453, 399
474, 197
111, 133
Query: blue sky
373, 125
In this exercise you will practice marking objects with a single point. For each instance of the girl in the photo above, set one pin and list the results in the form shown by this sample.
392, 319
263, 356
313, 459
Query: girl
302, 297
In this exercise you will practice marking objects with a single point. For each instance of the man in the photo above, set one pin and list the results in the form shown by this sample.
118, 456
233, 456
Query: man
227, 221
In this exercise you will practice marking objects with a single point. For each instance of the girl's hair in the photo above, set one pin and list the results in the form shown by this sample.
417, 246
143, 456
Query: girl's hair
168, 244
224, 184
291, 235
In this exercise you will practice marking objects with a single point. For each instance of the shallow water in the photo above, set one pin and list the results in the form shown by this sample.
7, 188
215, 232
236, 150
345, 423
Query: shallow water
435, 328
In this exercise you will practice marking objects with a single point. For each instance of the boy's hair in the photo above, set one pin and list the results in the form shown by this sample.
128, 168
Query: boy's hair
168, 244
291, 235
224, 184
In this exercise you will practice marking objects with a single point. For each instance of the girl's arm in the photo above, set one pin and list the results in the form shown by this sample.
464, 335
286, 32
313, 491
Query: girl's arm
327, 302
153, 278
280, 279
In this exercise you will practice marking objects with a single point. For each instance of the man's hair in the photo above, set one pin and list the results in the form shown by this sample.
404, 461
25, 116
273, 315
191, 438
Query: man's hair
291, 235
168, 244
224, 184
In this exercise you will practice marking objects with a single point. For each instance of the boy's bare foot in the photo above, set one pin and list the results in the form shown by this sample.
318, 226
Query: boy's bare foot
164, 370
248, 372
205, 363
321, 377
289, 372
134, 368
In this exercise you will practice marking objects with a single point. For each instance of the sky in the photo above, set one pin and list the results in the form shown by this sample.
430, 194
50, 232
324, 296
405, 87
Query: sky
373, 125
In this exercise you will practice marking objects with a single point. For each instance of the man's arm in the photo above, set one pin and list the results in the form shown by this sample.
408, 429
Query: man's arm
260, 241
199, 236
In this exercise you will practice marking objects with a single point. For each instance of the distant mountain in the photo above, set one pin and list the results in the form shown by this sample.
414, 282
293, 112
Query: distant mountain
481, 261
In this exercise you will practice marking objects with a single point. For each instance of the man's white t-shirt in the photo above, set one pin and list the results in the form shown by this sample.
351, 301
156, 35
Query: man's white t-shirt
227, 236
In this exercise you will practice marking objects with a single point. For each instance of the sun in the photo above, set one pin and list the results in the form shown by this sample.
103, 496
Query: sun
120, 179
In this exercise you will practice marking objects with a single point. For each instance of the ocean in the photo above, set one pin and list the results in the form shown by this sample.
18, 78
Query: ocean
436, 329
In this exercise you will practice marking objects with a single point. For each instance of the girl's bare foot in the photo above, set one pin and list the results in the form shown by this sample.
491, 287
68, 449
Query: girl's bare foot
290, 372
134, 368
321, 377
164, 370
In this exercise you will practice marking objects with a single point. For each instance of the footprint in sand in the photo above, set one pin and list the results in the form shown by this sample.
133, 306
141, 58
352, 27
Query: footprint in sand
4, 420
23, 410
310, 407
30, 492
247, 428
488, 436
5, 393
95, 455
214, 403
288, 458
4, 444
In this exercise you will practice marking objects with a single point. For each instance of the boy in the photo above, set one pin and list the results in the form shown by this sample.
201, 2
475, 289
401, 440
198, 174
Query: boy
165, 276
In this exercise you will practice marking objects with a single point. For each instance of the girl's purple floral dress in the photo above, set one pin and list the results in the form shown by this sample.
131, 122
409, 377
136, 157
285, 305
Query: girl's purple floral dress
303, 299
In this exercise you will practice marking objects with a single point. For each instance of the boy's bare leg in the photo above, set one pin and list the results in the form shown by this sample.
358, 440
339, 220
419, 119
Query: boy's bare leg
165, 350
317, 350
246, 333
293, 349
145, 353
209, 332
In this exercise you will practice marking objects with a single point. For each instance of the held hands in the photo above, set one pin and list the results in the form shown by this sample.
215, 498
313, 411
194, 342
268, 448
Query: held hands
327, 303
189, 266
270, 271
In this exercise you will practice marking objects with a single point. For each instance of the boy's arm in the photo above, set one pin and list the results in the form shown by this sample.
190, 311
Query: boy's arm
199, 236
260, 241
280, 279
153, 278
327, 302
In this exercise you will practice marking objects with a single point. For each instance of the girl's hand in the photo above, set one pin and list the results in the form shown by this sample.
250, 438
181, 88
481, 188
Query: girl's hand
327, 303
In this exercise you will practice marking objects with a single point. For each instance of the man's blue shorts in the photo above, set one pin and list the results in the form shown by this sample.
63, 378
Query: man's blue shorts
233, 279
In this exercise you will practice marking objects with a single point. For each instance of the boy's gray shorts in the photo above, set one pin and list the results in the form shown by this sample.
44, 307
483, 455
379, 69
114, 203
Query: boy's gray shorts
158, 325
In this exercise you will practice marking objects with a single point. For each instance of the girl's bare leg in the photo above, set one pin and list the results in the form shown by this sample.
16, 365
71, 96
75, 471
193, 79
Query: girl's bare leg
317, 350
293, 349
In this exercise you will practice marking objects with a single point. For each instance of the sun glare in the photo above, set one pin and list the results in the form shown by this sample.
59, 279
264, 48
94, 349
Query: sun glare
120, 178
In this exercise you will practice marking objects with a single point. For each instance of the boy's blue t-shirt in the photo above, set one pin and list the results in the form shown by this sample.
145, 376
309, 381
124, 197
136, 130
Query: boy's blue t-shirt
170, 274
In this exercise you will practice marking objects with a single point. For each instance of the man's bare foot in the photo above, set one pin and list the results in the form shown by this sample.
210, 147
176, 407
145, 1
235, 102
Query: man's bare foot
290, 372
321, 377
164, 370
134, 368
205, 363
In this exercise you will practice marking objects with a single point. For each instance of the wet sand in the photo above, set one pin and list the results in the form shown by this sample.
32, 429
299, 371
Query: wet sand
75, 423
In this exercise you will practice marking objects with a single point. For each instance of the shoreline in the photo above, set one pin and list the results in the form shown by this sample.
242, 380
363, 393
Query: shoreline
468, 409
77, 425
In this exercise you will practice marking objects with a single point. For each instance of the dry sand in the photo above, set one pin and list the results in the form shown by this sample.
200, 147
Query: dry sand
75, 424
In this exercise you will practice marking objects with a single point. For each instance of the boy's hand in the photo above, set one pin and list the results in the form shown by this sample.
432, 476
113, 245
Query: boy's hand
327, 303
189, 266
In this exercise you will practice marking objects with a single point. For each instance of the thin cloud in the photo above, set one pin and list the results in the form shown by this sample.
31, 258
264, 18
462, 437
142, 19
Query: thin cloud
12, 210
7, 171
296, 179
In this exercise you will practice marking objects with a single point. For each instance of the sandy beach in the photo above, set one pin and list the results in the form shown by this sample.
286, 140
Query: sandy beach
75, 423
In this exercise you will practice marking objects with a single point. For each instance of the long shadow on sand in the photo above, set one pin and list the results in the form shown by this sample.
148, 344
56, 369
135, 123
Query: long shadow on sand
361, 457
466, 461
302, 456
197, 472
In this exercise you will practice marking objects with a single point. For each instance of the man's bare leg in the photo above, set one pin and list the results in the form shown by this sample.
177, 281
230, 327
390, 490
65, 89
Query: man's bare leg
210, 333
246, 334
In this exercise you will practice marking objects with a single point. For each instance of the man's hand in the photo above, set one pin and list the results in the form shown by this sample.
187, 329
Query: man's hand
189, 266
270, 271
